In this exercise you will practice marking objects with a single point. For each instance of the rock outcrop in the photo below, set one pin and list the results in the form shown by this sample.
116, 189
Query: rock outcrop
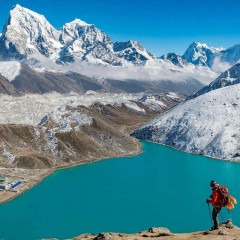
227, 231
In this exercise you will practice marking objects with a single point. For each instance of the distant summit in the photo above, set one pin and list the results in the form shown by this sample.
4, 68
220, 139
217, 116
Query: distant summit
200, 54
175, 59
133, 51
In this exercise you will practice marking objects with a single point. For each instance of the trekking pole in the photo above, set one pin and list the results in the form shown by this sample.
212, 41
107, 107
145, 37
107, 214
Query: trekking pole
230, 215
222, 217
210, 214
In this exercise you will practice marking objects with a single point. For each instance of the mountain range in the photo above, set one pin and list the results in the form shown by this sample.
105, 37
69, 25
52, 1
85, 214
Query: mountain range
37, 58
27, 34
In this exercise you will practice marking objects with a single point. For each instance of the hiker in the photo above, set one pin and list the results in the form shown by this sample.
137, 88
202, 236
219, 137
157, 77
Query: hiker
217, 205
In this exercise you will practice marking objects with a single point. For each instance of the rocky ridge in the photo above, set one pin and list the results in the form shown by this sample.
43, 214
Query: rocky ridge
175, 59
227, 231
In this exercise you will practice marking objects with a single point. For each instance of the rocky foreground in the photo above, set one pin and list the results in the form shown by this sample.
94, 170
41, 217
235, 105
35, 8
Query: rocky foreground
227, 231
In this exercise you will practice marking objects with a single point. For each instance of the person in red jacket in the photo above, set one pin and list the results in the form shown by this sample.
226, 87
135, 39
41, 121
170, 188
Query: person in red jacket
217, 206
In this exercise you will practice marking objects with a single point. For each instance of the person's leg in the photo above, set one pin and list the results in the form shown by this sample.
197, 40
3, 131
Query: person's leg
215, 213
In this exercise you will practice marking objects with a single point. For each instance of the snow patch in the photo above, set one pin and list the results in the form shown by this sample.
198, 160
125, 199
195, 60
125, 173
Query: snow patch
65, 121
10, 157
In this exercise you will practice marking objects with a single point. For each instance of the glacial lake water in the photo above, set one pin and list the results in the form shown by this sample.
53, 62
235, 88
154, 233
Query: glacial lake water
161, 187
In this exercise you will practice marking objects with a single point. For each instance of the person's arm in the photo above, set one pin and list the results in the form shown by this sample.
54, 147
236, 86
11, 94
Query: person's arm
215, 196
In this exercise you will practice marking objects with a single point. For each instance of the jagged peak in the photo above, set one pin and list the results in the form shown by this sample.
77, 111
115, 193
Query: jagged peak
134, 42
17, 6
21, 16
170, 54
200, 44
205, 46
22, 10
77, 22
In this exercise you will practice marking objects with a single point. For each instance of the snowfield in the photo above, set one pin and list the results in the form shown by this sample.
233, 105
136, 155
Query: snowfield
34, 109
208, 125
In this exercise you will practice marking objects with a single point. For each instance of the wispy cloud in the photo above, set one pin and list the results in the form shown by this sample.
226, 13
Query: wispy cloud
220, 66
10, 70
151, 72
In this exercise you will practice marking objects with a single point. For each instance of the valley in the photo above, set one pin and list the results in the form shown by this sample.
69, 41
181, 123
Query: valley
42, 133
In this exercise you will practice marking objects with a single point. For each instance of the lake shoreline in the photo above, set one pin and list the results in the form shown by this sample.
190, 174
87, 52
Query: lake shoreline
138, 151
50, 172
197, 154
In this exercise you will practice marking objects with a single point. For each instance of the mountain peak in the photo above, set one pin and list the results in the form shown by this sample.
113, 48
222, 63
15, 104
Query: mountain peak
78, 22
17, 6
27, 32
200, 54
18, 11
198, 44
174, 59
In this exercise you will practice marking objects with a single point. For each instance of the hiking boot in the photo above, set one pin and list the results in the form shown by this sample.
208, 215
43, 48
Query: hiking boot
215, 227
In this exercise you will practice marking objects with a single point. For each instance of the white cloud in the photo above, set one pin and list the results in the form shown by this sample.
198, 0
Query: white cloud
220, 66
151, 72
10, 70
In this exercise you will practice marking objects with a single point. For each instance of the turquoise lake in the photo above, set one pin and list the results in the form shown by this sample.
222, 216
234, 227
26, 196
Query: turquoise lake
161, 187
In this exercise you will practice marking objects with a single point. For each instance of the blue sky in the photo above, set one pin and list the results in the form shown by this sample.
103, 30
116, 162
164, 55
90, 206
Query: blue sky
160, 25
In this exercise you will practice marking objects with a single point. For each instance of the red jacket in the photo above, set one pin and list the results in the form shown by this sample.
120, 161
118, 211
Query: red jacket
215, 197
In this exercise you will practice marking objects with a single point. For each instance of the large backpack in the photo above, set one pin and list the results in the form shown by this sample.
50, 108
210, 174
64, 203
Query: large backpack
223, 195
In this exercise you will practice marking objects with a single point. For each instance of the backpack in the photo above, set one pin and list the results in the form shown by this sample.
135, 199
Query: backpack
223, 195
231, 202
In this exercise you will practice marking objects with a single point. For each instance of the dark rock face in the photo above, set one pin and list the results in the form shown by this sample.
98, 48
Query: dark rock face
7, 88
132, 51
31, 81
175, 59
187, 87
228, 78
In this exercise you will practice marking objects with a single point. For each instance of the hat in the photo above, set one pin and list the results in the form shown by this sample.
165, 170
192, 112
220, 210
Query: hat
213, 184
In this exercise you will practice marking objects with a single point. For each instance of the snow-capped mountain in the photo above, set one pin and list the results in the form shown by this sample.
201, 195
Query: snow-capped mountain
133, 51
84, 41
28, 36
207, 125
175, 59
27, 32
200, 54
229, 77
